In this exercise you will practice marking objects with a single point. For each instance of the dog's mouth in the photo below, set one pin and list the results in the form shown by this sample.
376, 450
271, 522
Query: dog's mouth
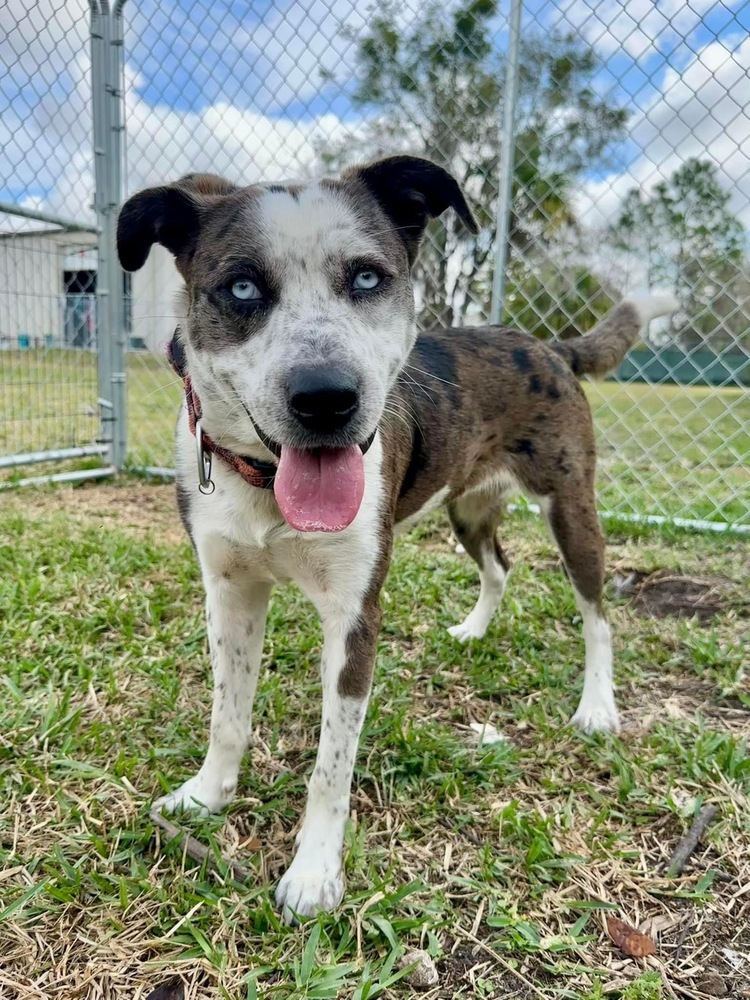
318, 489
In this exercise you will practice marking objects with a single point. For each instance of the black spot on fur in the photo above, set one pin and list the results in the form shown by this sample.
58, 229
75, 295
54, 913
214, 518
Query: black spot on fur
417, 461
535, 384
438, 359
500, 555
552, 391
521, 360
575, 361
183, 506
523, 446
561, 463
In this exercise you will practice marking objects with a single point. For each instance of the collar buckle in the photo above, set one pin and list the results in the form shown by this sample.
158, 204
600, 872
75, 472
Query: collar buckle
206, 485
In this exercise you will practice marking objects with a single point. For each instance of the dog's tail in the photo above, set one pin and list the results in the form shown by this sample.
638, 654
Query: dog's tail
604, 348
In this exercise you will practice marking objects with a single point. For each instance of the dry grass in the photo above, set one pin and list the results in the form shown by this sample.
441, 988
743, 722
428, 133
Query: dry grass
501, 861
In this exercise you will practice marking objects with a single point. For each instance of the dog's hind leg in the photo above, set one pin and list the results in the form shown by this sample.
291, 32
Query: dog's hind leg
574, 524
475, 522
236, 606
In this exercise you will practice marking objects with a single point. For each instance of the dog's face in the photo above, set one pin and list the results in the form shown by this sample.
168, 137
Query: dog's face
300, 302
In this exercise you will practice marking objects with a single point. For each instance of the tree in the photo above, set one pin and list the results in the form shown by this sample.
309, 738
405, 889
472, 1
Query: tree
435, 89
557, 301
689, 240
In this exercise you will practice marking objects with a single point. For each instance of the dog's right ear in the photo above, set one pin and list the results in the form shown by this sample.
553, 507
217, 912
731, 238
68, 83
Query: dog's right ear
170, 215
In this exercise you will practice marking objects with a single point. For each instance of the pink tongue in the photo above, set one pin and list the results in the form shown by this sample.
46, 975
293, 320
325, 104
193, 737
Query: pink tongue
320, 490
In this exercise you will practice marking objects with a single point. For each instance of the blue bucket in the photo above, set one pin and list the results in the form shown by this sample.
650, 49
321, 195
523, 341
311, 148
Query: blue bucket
24, 341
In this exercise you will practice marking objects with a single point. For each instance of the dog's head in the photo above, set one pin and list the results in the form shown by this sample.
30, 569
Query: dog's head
300, 302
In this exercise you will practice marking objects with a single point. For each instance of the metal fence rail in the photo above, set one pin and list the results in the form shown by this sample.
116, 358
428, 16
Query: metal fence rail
604, 148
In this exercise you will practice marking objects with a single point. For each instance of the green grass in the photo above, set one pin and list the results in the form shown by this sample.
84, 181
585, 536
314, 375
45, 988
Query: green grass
669, 450
674, 450
501, 862
49, 400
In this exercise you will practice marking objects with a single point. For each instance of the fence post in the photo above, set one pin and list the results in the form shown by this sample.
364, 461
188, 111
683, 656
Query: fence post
115, 50
106, 96
507, 150
99, 31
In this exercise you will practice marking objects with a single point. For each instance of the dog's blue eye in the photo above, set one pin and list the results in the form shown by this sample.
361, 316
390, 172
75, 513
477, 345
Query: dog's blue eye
365, 280
245, 290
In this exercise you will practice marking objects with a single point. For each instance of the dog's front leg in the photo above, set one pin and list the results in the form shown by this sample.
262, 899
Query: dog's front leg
236, 607
315, 879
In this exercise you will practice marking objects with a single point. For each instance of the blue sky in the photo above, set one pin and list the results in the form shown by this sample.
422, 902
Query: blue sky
235, 87
188, 58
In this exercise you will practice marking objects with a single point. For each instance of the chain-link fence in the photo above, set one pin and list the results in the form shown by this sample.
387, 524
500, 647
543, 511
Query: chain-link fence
603, 146
56, 408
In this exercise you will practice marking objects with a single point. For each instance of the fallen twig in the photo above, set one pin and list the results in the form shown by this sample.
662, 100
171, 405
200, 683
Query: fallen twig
686, 928
691, 839
197, 851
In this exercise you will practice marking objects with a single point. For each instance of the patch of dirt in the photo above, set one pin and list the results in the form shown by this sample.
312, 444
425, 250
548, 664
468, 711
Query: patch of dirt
148, 509
666, 593
679, 698
464, 966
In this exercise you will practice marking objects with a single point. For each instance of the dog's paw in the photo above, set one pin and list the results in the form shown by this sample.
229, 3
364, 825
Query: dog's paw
305, 891
467, 630
596, 717
198, 794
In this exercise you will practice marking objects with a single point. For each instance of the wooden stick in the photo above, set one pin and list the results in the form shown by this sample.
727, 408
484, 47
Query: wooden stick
197, 851
691, 839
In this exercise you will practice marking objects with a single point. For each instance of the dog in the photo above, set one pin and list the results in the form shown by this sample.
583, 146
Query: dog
321, 422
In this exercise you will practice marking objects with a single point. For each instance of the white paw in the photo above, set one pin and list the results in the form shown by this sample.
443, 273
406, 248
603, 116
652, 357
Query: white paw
596, 717
467, 630
198, 794
306, 890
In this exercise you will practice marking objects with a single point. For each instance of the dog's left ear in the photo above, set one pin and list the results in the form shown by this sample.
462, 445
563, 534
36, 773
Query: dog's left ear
411, 191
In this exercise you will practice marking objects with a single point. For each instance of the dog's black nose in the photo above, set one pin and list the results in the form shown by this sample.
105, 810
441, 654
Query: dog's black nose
322, 399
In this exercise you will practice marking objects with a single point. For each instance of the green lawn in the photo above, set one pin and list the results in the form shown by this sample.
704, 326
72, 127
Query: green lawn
685, 449
501, 862
669, 450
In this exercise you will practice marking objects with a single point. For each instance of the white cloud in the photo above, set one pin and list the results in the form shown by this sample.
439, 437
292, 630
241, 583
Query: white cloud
637, 27
45, 143
39, 41
241, 145
45, 132
704, 112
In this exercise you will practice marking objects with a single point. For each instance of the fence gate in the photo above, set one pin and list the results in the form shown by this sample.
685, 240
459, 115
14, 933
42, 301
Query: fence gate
61, 294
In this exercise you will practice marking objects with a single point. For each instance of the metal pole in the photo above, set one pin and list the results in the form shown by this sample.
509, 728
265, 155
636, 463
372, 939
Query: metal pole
507, 150
61, 477
7, 208
99, 37
51, 455
114, 199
